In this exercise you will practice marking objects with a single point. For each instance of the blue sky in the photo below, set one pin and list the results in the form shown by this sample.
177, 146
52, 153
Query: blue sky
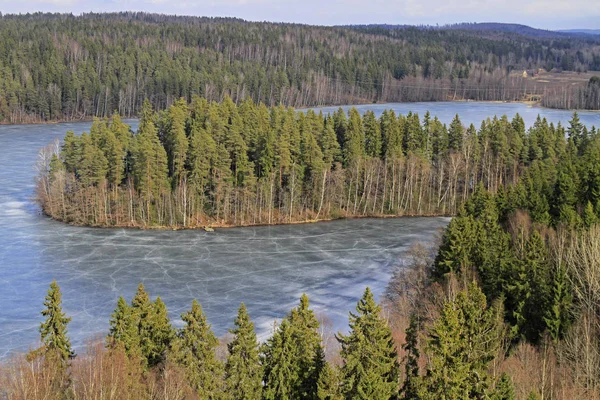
546, 14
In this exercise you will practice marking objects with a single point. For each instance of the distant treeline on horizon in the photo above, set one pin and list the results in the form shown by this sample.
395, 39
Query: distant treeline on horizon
66, 67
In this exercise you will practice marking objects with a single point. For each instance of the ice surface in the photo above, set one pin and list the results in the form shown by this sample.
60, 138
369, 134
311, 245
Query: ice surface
266, 267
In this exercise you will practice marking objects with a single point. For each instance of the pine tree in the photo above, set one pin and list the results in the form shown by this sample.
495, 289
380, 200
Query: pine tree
243, 375
53, 331
71, 151
372, 135
201, 154
370, 365
589, 215
56, 347
92, 166
194, 350
558, 314
458, 244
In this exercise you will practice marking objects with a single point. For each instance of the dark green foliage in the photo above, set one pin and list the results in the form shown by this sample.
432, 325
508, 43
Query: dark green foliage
194, 350
505, 389
370, 362
47, 79
280, 375
412, 380
461, 343
153, 327
293, 354
53, 331
124, 328
328, 385
455, 135
243, 375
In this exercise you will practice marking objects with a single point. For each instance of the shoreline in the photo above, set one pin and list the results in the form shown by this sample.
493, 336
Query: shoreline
221, 226
532, 104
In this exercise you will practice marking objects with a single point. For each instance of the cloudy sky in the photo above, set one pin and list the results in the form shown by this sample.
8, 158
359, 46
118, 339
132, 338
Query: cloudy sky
546, 14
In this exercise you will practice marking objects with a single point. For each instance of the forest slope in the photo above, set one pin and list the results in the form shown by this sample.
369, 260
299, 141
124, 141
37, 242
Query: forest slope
65, 67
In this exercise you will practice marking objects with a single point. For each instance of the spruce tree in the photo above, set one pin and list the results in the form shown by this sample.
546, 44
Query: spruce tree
461, 343
175, 140
410, 387
194, 350
154, 329
124, 329
56, 347
505, 389
328, 385
455, 135
161, 332
280, 376
354, 139
53, 331
307, 342
243, 375
370, 367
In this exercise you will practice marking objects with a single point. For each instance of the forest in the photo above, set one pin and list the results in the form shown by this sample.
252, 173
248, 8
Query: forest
64, 67
217, 164
506, 306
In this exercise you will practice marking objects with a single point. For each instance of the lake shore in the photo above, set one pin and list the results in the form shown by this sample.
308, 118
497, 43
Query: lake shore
224, 225
531, 104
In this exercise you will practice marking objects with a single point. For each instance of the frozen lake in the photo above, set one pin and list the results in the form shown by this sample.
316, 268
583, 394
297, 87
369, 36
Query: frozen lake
266, 267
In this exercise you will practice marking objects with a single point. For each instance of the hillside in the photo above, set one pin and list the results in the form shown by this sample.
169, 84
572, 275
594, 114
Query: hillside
65, 67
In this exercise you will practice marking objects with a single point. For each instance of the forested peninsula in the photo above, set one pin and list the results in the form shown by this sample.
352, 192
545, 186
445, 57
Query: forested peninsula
60, 67
218, 164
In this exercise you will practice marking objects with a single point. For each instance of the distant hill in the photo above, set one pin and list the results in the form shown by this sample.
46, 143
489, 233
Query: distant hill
509, 28
584, 31
518, 29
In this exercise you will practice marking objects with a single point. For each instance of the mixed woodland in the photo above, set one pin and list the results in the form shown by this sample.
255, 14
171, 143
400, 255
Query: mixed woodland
65, 67
218, 164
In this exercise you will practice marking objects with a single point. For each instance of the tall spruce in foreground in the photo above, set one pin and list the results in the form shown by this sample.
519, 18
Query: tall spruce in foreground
53, 331
410, 387
292, 366
153, 327
462, 342
56, 350
307, 343
123, 329
194, 350
279, 375
370, 362
243, 376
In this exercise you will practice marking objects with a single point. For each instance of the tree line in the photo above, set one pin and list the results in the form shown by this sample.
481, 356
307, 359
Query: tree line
203, 164
144, 356
65, 67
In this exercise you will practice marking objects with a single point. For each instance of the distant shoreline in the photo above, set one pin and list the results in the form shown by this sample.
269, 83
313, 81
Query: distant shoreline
532, 104
221, 226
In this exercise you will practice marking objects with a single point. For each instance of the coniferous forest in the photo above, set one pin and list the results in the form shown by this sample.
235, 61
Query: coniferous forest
218, 164
65, 67
503, 304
